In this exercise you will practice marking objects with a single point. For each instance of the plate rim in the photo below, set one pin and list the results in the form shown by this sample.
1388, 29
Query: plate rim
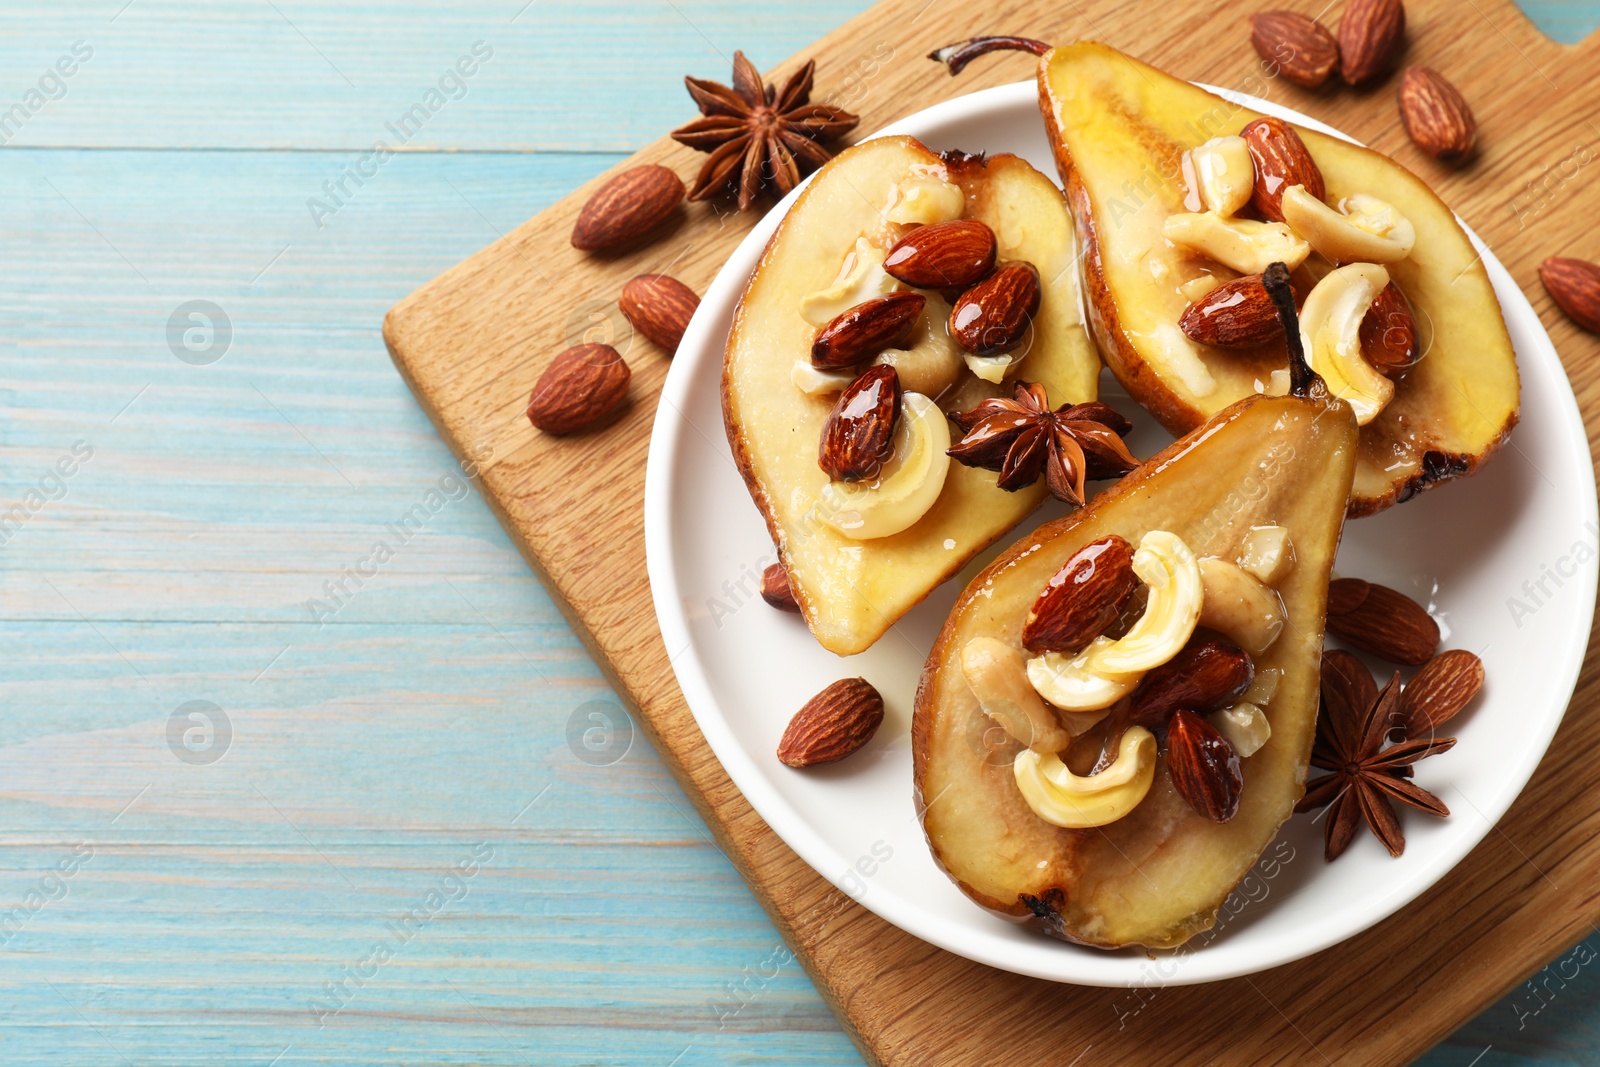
796, 832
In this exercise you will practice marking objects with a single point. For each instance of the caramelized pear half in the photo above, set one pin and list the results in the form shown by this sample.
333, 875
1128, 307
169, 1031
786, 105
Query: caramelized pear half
1119, 129
851, 591
1156, 876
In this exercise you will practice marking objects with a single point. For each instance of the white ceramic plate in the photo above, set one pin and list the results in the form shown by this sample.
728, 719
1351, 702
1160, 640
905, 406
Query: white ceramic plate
1475, 551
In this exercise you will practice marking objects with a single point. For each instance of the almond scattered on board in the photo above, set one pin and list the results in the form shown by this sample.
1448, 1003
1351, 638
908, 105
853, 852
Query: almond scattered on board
660, 307
1574, 284
580, 387
1436, 115
775, 589
1302, 49
832, 725
1371, 36
626, 208
1281, 160
1236, 314
1382, 621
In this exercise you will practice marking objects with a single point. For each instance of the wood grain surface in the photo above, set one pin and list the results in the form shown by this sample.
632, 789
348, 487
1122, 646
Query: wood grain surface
369, 753
472, 342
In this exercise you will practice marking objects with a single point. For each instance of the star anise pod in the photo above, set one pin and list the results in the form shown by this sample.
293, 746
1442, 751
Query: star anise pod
1367, 777
756, 135
1022, 438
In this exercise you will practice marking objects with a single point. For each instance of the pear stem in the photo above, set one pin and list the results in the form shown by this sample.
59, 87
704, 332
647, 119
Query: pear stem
957, 56
1275, 279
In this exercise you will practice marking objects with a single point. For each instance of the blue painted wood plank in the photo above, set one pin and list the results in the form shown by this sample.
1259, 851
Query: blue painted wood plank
159, 905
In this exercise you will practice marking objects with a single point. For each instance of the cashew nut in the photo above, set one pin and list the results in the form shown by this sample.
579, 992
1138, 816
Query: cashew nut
1070, 684
1244, 727
1248, 247
994, 672
1239, 605
1330, 331
925, 199
1267, 553
1165, 564
1064, 799
861, 278
814, 381
1365, 228
1224, 174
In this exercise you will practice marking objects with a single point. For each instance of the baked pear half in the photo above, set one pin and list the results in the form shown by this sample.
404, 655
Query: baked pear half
1118, 715
870, 521
1152, 167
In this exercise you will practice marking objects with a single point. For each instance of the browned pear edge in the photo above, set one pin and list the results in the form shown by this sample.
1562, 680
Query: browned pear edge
955, 162
1147, 387
1043, 917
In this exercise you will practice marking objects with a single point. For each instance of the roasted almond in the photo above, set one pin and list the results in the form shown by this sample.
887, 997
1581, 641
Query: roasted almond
580, 387
1436, 115
832, 724
659, 307
626, 208
1574, 284
1371, 35
1298, 45
1082, 598
859, 433
775, 589
1389, 332
1440, 690
1236, 314
1204, 768
993, 316
867, 329
943, 255
1281, 160
1382, 621
1208, 674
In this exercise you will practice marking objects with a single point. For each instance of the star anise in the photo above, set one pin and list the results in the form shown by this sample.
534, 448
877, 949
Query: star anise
1367, 777
1022, 438
757, 136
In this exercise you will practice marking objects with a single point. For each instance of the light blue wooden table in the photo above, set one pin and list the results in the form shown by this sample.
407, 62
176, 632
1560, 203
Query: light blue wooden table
240, 827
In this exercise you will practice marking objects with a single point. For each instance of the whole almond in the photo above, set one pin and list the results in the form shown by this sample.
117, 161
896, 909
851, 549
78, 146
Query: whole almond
1281, 160
1204, 768
943, 255
1082, 598
859, 434
867, 329
1382, 621
1574, 284
1236, 314
626, 208
775, 589
1436, 115
1207, 674
1371, 35
1303, 51
832, 724
993, 316
1389, 332
659, 307
1440, 690
580, 387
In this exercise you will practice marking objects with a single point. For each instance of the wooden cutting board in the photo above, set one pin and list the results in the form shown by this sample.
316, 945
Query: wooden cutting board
472, 342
